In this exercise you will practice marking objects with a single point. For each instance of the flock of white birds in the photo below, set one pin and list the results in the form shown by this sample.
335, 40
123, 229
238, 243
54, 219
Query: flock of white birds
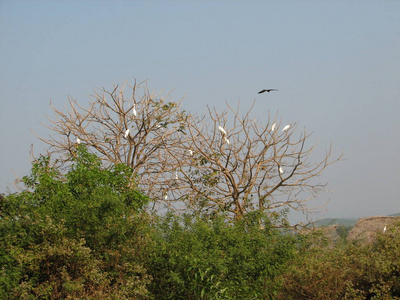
220, 128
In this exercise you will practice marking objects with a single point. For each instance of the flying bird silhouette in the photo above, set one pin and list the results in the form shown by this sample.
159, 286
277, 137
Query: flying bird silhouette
267, 90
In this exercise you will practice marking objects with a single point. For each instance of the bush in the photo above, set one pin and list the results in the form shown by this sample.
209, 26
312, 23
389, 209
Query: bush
348, 272
78, 234
204, 259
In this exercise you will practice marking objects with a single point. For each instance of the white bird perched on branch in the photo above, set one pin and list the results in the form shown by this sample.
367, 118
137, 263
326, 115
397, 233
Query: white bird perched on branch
126, 133
176, 175
384, 229
280, 170
134, 110
224, 134
166, 196
78, 140
190, 152
273, 127
286, 128
222, 130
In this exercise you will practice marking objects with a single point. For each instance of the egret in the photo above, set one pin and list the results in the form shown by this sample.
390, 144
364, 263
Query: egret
190, 152
267, 90
126, 133
280, 170
286, 128
176, 175
78, 140
134, 110
166, 196
273, 127
227, 140
222, 130
384, 229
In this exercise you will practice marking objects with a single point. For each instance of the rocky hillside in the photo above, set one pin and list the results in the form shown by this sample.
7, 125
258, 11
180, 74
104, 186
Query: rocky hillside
366, 229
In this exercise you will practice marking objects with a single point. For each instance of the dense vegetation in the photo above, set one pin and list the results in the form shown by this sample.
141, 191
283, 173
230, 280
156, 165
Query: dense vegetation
85, 234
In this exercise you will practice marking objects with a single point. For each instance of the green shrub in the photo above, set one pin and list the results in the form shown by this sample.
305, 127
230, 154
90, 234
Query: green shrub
78, 234
203, 259
347, 272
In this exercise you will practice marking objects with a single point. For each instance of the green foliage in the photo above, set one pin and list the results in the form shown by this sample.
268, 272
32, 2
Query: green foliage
347, 272
203, 259
343, 231
83, 234
77, 235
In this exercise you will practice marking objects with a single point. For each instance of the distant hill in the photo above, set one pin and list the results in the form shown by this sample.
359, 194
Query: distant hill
335, 221
342, 221
394, 215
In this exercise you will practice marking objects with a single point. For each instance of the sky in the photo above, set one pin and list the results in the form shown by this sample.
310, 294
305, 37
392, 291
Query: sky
336, 65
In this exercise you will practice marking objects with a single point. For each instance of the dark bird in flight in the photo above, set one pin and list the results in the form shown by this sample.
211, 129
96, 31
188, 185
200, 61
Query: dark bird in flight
268, 90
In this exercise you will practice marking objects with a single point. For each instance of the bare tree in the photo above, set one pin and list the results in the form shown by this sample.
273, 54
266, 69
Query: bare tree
134, 129
213, 163
239, 165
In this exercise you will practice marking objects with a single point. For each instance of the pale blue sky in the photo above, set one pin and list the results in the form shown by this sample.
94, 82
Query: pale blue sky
336, 65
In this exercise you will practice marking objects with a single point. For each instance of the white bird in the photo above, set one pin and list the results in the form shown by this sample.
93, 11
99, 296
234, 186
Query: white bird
273, 127
286, 128
227, 140
384, 229
176, 175
126, 133
191, 152
280, 170
222, 130
134, 110
166, 196
78, 140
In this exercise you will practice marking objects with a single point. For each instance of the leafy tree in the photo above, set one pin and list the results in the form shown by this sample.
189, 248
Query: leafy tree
77, 234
